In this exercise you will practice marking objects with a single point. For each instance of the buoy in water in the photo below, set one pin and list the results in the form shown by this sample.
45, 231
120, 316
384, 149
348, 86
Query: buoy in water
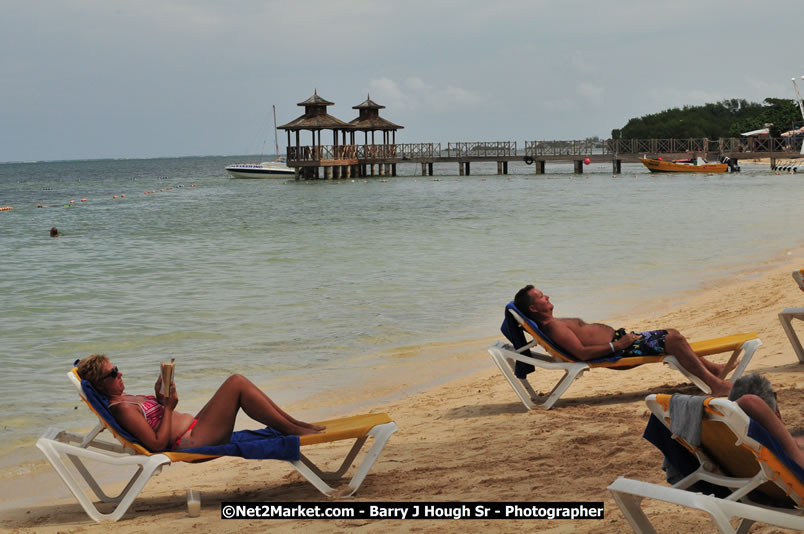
587, 161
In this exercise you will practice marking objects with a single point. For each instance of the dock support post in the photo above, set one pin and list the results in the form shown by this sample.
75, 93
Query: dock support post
616, 166
430, 168
539, 166
499, 168
578, 166
424, 169
393, 169
505, 167
328, 173
467, 169
460, 168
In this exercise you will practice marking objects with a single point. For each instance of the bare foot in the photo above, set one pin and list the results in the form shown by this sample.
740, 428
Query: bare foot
311, 426
304, 431
721, 389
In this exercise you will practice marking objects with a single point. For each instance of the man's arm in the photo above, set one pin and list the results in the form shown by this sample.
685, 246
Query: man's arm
758, 410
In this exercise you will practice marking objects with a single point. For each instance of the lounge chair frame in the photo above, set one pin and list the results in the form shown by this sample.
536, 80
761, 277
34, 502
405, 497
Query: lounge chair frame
505, 357
57, 445
787, 315
629, 494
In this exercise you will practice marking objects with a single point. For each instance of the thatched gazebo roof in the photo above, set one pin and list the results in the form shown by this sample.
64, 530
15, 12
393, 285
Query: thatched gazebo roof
369, 117
316, 117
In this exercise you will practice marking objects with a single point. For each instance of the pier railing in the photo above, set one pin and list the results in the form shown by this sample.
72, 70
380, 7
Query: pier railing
363, 152
563, 148
701, 145
570, 149
481, 149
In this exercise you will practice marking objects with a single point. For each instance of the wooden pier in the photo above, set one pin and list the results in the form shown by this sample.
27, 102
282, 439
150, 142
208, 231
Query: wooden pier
345, 161
346, 158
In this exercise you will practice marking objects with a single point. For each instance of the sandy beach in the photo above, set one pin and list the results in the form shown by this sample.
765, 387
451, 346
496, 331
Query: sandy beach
471, 439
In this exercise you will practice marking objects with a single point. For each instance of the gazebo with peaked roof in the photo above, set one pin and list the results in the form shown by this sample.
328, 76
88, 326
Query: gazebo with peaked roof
369, 120
315, 119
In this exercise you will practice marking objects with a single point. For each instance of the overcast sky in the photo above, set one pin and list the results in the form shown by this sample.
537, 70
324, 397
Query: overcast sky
151, 78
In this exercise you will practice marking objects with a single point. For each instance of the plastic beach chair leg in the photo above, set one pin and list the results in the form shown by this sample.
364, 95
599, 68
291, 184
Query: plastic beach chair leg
570, 375
317, 477
521, 387
748, 348
786, 318
55, 450
630, 505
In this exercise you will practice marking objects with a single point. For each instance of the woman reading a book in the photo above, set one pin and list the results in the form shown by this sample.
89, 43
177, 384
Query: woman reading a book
154, 421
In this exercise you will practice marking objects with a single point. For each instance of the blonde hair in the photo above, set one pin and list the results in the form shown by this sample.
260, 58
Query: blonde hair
91, 368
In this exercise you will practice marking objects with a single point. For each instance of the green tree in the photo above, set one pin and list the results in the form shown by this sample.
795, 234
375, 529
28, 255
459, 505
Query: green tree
727, 118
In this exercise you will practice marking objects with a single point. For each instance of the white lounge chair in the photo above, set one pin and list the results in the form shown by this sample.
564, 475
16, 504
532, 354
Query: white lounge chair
60, 445
787, 315
736, 454
517, 359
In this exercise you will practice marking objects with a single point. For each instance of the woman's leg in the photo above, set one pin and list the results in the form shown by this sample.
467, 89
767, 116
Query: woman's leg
216, 419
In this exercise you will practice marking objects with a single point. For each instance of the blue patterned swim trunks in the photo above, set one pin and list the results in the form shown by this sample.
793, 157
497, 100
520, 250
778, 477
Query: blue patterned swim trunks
650, 344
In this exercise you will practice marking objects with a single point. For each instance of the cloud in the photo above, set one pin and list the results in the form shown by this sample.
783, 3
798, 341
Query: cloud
592, 93
414, 94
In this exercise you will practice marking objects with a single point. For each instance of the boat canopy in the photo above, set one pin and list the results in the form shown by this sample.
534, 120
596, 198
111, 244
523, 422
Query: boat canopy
761, 131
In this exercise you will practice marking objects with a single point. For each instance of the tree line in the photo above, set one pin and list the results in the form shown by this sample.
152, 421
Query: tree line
727, 118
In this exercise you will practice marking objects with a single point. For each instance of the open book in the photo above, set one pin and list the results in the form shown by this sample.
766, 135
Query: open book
167, 376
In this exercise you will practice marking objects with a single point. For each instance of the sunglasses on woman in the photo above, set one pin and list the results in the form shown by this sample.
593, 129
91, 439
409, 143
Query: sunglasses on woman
112, 374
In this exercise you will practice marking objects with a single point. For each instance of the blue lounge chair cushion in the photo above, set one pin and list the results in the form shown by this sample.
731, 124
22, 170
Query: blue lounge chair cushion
511, 329
758, 432
262, 444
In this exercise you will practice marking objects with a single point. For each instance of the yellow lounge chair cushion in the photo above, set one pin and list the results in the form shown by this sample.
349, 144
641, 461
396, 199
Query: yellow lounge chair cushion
356, 426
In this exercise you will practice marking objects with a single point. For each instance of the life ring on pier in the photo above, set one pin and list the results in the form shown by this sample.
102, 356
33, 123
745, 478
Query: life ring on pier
528, 160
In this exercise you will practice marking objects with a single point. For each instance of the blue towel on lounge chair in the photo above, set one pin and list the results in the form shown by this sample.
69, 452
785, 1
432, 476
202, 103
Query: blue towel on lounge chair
262, 444
513, 332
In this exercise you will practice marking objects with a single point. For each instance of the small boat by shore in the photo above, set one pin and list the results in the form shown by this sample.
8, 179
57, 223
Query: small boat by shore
266, 169
698, 165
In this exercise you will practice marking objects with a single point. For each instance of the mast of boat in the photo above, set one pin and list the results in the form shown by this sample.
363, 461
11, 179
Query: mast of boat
800, 105
276, 139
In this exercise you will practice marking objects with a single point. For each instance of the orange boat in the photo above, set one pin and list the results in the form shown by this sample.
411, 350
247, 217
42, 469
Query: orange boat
699, 165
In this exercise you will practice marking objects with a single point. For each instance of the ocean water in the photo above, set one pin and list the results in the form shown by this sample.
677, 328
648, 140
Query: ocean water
300, 285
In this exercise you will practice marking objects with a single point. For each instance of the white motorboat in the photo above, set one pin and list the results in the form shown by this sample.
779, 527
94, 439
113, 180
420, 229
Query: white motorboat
266, 169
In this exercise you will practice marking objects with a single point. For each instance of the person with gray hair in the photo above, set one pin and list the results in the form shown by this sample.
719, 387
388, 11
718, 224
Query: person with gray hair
755, 396
754, 384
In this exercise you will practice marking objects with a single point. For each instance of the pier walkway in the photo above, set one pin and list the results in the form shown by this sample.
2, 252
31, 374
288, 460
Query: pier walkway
345, 161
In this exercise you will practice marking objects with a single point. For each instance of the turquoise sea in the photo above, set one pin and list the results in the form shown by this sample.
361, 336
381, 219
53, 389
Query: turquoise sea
301, 285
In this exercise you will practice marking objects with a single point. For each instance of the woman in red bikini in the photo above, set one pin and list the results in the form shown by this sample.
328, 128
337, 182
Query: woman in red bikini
152, 419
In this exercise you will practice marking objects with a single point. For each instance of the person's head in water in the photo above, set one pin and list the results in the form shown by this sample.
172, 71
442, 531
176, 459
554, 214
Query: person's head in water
54, 232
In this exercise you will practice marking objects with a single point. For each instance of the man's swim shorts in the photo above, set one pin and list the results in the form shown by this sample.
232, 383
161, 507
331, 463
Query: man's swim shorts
650, 344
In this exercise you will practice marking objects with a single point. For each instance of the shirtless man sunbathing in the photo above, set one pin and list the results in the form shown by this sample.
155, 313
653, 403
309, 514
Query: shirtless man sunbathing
592, 341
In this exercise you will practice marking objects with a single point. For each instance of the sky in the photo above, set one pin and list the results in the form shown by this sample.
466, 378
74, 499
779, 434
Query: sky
86, 79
